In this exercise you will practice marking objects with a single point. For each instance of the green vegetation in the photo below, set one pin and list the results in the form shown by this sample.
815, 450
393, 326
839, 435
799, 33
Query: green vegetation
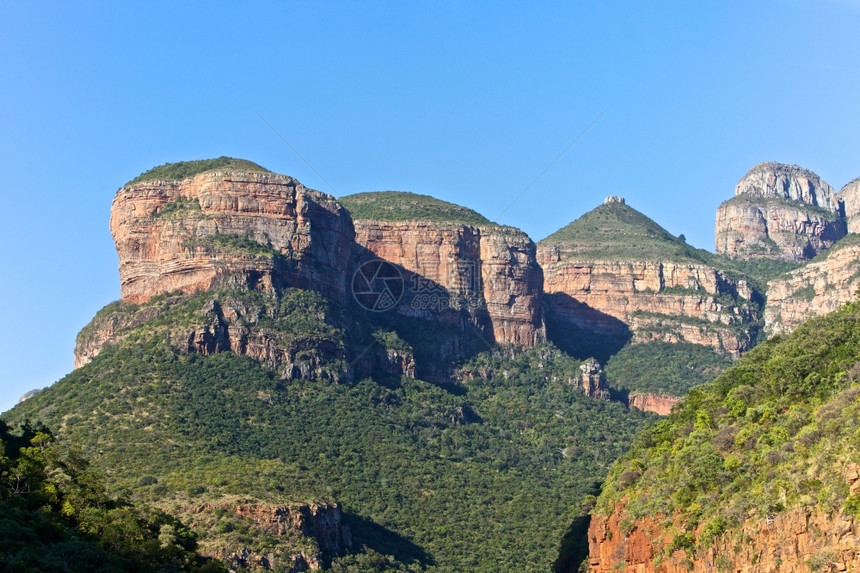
664, 368
759, 270
235, 243
185, 169
615, 231
404, 206
56, 515
476, 476
775, 431
178, 208
768, 202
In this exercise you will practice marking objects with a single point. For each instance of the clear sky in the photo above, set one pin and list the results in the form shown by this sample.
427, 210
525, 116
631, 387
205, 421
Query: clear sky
466, 101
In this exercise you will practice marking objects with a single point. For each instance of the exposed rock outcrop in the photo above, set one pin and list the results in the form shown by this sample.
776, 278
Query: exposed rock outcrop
249, 229
258, 327
593, 380
815, 289
307, 535
656, 300
487, 274
798, 540
850, 198
660, 405
780, 212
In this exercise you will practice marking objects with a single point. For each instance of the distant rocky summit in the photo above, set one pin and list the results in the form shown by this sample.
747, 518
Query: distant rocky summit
849, 195
30, 394
779, 212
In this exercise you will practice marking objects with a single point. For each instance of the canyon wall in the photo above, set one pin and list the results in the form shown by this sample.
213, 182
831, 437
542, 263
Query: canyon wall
218, 228
487, 273
815, 289
656, 300
799, 540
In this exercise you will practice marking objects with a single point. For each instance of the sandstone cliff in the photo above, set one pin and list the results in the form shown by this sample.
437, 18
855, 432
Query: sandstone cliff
297, 537
780, 212
850, 198
660, 405
483, 273
800, 540
655, 288
817, 288
219, 228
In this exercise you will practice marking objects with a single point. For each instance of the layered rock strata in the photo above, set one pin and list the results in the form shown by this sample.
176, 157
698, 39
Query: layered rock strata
780, 212
488, 274
656, 300
798, 540
248, 229
850, 198
815, 289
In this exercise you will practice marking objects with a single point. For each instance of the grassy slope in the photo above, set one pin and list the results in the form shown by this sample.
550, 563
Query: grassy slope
418, 484
769, 434
404, 206
618, 232
184, 169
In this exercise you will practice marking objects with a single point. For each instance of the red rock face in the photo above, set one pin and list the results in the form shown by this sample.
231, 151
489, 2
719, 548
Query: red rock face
490, 273
652, 299
660, 405
786, 543
165, 234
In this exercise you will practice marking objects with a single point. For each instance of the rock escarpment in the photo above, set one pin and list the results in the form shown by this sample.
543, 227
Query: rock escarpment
780, 212
219, 228
660, 405
817, 288
304, 536
476, 271
849, 195
800, 540
614, 270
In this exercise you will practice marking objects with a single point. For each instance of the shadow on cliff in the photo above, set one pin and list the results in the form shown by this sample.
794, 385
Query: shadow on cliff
366, 533
574, 545
442, 327
582, 331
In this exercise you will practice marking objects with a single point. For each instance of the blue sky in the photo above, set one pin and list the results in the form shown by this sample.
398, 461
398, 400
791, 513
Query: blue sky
468, 102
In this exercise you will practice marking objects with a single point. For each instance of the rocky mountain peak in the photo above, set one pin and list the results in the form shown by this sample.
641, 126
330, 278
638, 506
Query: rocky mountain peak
782, 181
780, 212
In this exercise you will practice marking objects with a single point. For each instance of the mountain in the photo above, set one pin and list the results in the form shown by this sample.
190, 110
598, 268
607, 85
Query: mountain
617, 280
267, 379
756, 471
780, 212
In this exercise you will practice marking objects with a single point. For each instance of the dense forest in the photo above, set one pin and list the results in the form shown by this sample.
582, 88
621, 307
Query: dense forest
477, 475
